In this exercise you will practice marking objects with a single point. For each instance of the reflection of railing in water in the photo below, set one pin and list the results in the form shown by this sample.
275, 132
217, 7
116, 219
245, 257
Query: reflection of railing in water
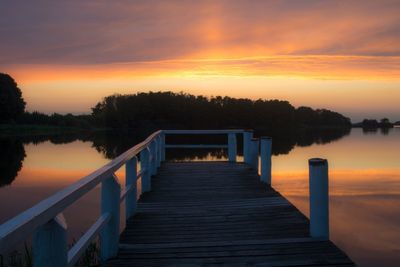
47, 223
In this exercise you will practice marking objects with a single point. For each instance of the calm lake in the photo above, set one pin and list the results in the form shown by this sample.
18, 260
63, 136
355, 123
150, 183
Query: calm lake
364, 181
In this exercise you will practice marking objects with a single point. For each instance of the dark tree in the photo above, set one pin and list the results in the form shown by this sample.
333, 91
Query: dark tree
12, 105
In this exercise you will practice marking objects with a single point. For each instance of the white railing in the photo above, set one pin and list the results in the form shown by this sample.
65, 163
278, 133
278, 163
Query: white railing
47, 224
46, 221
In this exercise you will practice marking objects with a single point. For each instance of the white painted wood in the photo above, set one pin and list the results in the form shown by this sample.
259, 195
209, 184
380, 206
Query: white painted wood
79, 248
195, 146
130, 181
23, 225
145, 165
247, 136
266, 150
254, 151
237, 131
50, 244
109, 235
232, 147
319, 198
162, 146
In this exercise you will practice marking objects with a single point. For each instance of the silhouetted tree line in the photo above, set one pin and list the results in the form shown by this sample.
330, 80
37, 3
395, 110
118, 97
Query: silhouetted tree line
58, 120
372, 123
171, 110
155, 110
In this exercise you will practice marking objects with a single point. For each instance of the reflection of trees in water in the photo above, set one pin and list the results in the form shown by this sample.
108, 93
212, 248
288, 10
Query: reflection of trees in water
11, 158
111, 144
184, 154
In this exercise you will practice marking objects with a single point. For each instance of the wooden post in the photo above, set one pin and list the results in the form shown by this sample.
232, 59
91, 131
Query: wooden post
255, 144
152, 165
162, 146
247, 136
159, 151
50, 244
319, 198
232, 147
266, 150
131, 180
145, 165
156, 154
109, 235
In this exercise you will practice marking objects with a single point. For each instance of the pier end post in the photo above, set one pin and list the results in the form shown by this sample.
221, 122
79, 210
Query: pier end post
266, 152
319, 198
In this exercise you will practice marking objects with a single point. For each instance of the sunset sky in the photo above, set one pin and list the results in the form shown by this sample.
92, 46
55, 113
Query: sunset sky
341, 55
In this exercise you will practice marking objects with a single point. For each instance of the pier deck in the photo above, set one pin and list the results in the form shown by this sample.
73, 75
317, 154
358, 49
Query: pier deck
219, 214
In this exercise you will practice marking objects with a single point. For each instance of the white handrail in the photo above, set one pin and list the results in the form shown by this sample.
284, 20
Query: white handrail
24, 224
227, 131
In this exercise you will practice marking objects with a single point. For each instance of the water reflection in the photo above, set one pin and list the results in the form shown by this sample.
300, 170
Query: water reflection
12, 154
111, 144
364, 178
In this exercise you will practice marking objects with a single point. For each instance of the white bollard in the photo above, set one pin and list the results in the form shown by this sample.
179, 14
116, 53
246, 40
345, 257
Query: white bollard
130, 179
255, 145
50, 244
247, 136
110, 203
232, 147
319, 198
266, 153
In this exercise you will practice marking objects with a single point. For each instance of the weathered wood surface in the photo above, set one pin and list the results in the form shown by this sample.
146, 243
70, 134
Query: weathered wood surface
219, 214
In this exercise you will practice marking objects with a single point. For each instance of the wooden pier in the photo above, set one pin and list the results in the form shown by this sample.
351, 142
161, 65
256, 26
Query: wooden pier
188, 213
219, 214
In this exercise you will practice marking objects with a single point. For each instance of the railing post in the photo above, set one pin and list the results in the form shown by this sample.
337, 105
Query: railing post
131, 180
153, 161
162, 146
232, 147
266, 150
319, 198
155, 154
158, 151
50, 244
109, 235
145, 165
255, 145
247, 136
